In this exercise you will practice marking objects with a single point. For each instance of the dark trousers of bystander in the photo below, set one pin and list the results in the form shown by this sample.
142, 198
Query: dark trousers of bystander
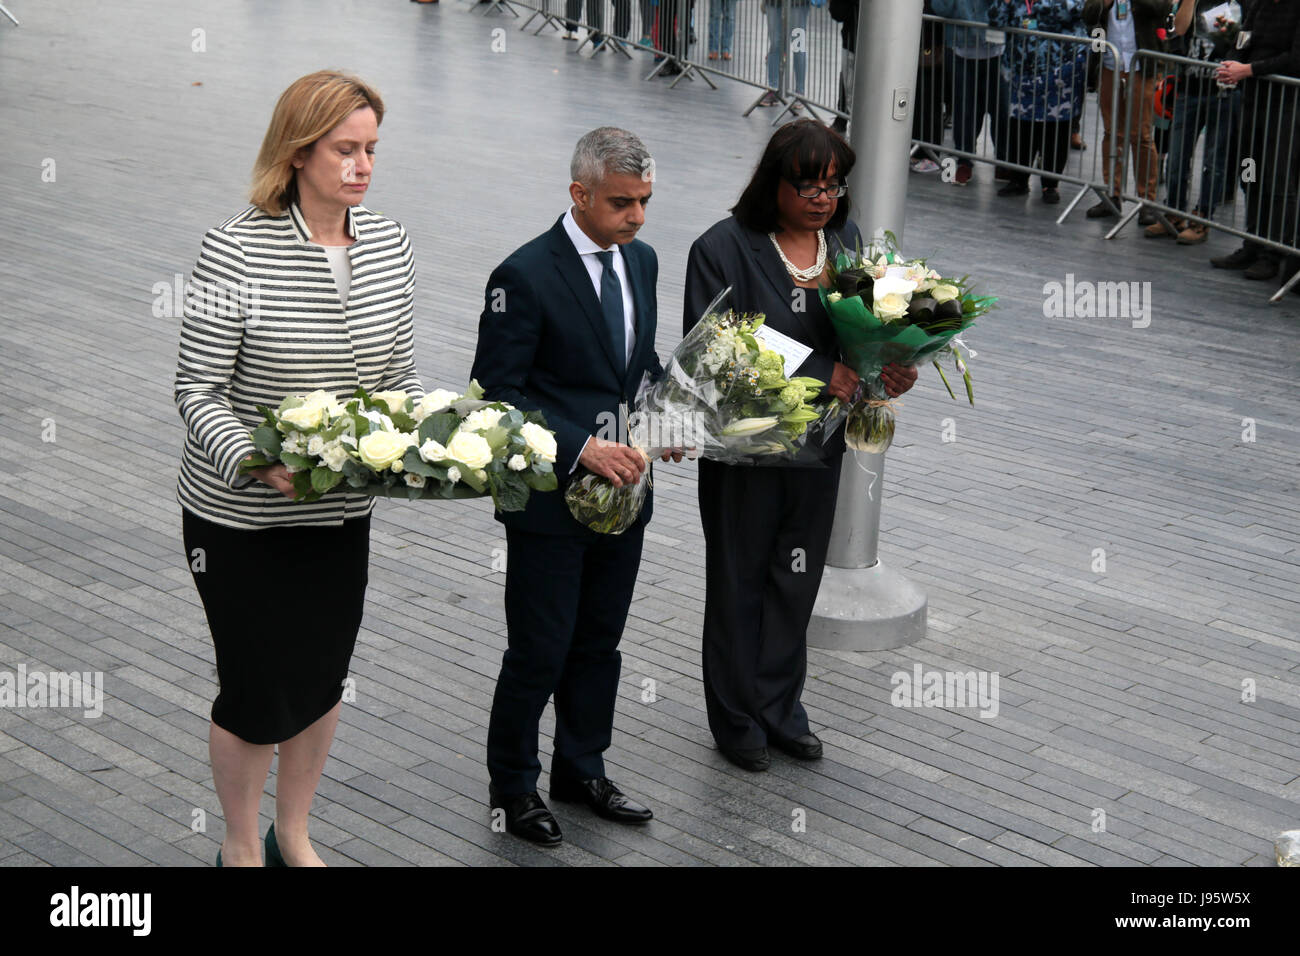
1269, 121
978, 92
1030, 138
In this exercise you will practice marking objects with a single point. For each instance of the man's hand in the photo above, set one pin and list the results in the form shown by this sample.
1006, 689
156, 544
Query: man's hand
278, 477
843, 383
621, 464
897, 379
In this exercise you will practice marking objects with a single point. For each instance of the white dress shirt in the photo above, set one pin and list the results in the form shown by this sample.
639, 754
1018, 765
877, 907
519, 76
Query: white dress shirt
587, 250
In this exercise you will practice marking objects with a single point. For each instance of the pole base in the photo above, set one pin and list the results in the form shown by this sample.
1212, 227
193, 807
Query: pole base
866, 609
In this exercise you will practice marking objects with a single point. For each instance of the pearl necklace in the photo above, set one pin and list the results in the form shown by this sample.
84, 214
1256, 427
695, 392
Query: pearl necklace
812, 272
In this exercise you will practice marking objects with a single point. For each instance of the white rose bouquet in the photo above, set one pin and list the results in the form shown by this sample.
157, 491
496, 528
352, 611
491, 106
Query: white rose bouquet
888, 309
385, 443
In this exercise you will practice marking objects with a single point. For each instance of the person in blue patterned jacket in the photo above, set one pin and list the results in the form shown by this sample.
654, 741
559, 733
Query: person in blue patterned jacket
1045, 80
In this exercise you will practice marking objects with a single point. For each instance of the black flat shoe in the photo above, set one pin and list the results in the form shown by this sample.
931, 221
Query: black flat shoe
1103, 210
807, 747
527, 817
755, 760
1265, 267
1013, 188
273, 855
601, 797
1146, 218
1051, 195
1239, 258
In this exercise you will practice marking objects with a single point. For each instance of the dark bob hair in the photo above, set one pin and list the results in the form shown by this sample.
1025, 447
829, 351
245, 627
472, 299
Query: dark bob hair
803, 150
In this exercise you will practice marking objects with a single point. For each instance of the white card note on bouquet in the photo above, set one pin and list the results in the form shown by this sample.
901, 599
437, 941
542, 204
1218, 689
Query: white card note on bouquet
792, 350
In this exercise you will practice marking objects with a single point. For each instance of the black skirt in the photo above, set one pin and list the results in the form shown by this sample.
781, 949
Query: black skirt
284, 606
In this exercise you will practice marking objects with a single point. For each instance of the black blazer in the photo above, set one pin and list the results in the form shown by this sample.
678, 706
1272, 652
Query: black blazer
543, 344
728, 254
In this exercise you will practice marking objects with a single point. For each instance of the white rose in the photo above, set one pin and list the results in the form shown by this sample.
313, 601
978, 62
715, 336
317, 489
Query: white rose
305, 417
414, 480
315, 445
381, 449
431, 451
397, 466
436, 401
482, 419
944, 292
396, 401
517, 463
469, 449
453, 474
891, 297
540, 441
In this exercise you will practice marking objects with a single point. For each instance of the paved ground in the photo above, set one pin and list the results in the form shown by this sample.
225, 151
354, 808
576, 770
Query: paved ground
1121, 690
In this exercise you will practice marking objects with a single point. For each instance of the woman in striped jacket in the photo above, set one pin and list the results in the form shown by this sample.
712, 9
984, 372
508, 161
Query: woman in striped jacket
305, 289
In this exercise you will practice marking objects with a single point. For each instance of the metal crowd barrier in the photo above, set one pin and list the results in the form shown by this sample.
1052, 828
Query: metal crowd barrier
794, 53
1224, 142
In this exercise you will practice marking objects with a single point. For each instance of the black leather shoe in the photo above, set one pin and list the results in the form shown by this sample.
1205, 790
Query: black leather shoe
755, 760
807, 747
1239, 258
602, 797
1013, 188
1102, 210
1146, 218
1265, 267
527, 817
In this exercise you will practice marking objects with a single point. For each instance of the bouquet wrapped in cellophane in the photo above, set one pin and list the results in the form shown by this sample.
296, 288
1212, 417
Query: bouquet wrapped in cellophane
387, 444
724, 396
887, 309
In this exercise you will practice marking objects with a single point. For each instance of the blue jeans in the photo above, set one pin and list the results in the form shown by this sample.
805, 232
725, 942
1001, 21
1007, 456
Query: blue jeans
722, 25
797, 20
1201, 108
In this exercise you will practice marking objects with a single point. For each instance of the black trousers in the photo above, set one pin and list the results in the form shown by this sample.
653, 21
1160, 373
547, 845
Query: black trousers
566, 604
1029, 138
766, 531
1269, 126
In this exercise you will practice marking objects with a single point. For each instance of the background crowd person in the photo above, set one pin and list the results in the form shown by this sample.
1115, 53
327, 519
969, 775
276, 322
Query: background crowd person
1269, 125
1130, 25
977, 88
846, 13
1045, 81
796, 18
1201, 107
928, 111
722, 28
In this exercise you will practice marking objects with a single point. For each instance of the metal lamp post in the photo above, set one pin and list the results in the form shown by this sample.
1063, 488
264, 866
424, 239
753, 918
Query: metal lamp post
864, 605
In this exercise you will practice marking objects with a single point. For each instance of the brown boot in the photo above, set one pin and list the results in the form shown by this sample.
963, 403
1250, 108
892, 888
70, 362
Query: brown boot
1157, 229
1194, 233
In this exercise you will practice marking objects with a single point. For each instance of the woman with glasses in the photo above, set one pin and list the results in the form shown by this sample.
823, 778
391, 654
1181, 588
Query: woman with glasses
766, 529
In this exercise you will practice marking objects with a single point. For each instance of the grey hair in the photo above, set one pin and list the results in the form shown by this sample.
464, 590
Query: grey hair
609, 150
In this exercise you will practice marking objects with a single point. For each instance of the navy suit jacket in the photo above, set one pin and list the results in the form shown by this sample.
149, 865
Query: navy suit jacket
543, 345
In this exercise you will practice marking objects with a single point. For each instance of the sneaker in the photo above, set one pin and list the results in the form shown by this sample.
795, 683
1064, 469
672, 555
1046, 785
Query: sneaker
1013, 188
1239, 258
769, 99
1265, 267
924, 165
1158, 229
964, 174
1102, 210
1193, 233
1051, 195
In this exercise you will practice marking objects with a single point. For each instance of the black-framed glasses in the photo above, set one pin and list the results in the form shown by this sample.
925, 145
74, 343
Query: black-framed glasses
809, 191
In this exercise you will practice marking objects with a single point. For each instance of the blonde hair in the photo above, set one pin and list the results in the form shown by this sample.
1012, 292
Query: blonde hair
311, 107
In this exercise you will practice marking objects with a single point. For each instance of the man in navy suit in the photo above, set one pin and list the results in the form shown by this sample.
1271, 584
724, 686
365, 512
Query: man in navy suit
568, 328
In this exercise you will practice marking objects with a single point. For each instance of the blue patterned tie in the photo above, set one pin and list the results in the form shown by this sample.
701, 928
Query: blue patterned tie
611, 304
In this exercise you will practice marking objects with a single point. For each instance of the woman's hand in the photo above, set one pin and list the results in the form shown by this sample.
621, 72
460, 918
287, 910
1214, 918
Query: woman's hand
278, 477
897, 379
843, 383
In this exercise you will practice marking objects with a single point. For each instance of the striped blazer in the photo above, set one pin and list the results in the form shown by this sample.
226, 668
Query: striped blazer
263, 320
